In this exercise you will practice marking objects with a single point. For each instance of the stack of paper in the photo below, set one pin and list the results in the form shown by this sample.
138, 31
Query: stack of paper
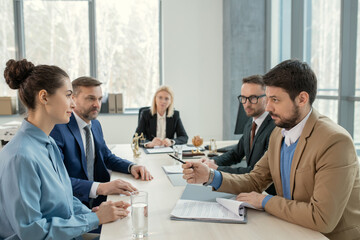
229, 211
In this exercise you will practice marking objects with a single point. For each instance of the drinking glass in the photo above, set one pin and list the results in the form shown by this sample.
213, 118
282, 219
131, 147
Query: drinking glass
139, 214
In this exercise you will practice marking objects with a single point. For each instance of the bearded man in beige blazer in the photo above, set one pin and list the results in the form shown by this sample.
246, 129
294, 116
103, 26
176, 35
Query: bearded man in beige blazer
310, 159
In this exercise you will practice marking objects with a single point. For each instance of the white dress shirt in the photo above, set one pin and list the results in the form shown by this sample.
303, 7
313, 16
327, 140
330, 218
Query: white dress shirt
292, 135
259, 121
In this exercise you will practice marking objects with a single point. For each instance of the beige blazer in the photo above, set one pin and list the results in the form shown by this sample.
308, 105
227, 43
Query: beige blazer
324, 180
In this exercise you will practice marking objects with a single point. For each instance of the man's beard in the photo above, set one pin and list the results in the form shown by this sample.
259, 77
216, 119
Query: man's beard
290, 122
89, 116
256, 113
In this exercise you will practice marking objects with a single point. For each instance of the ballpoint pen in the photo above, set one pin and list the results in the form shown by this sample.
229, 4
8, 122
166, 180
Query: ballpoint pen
177, 159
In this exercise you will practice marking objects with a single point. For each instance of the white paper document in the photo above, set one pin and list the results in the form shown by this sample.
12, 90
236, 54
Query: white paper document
232, 212
173, 169
159, 150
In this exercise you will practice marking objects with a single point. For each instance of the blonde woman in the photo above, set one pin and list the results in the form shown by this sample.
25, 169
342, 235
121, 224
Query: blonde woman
161, 122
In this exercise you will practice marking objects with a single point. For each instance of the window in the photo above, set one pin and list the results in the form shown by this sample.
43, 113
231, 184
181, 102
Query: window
326, 34
115, 41
7, 43
128, 49
325, 53
57, 33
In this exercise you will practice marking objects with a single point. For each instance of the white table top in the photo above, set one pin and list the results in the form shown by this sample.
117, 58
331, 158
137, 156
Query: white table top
163, 196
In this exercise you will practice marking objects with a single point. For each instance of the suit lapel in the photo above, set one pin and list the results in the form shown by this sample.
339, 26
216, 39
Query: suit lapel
306, 132
276, 161
153, 124
74, 128
246, 136
262, 127
169, 126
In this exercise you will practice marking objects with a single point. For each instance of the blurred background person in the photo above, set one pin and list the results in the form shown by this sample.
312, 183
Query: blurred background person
160, 123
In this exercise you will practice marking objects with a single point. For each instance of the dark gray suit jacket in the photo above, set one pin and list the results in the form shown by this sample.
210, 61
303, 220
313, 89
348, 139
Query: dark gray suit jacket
147, 126
242, 149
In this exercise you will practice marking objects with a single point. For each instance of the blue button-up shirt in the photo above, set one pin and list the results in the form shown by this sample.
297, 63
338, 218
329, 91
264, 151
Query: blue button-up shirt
36, 199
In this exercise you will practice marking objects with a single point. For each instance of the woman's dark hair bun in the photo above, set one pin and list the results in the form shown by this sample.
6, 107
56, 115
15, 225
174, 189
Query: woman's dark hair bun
16, 72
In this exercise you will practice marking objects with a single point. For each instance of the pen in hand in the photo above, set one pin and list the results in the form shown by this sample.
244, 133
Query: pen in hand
177, 159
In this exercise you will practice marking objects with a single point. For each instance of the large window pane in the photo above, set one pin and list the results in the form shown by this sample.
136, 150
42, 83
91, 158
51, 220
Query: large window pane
7, 43
325, 44
128, 48
57, 32
327, 107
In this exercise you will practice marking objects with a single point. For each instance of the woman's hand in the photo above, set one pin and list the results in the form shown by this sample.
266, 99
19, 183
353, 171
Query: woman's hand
155, 142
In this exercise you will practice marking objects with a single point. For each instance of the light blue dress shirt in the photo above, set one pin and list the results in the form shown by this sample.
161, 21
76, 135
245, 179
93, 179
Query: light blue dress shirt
36, 199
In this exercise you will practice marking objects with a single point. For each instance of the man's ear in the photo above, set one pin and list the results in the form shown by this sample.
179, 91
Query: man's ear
43, 96
303, 98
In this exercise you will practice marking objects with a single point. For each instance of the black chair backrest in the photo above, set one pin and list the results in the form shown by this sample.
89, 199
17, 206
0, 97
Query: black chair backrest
240, 120
140, 112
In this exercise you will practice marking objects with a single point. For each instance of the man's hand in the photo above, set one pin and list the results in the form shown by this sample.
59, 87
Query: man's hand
139, 171
110, 211
253, 198
166, 142
196, 172
211, 163
117, 186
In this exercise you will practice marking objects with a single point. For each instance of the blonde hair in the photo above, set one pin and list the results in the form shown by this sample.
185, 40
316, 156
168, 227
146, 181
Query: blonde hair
170, 110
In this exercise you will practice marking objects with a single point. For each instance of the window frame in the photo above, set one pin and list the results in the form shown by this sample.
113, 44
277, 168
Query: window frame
301, 49
20, 49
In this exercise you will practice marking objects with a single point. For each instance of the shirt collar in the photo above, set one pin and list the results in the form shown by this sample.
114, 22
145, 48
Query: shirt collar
292, 135
161, 117
81, 123
35, 132
260, 119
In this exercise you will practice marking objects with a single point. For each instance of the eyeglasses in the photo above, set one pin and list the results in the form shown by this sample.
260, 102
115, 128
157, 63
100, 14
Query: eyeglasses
252, 99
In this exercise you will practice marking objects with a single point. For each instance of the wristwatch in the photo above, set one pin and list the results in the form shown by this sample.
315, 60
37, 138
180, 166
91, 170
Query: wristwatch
211, 177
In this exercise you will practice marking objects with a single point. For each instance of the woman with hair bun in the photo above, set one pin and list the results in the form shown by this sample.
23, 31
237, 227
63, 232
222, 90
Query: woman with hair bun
36, 199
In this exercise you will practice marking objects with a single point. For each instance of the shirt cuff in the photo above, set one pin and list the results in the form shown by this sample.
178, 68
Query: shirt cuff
216, 183
172, 142
129, 167
93, 190
265, 200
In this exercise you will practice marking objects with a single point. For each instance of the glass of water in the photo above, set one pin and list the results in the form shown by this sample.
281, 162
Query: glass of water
139, 214
178, 153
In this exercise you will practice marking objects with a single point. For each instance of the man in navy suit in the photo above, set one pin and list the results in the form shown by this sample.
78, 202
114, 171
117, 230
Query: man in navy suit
84, 151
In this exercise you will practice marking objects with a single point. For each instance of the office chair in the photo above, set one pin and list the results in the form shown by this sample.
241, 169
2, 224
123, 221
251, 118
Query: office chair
140, 112
241, 120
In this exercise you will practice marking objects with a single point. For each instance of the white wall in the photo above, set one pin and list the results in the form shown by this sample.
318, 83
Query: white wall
192, 66
192, 43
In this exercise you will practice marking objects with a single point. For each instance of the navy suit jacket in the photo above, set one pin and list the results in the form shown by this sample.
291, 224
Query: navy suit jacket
68, 138
148, 123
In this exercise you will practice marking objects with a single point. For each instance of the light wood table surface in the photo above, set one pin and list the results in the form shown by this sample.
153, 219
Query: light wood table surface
162, 199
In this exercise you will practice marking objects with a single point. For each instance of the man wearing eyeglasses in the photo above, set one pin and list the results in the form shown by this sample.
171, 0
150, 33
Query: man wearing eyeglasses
257, 130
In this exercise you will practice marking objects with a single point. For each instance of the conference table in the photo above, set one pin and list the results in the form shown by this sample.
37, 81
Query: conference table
163, 197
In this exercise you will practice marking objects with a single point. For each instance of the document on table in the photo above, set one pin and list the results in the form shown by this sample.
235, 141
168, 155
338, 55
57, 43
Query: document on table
173, 169
158, 150
231, 212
